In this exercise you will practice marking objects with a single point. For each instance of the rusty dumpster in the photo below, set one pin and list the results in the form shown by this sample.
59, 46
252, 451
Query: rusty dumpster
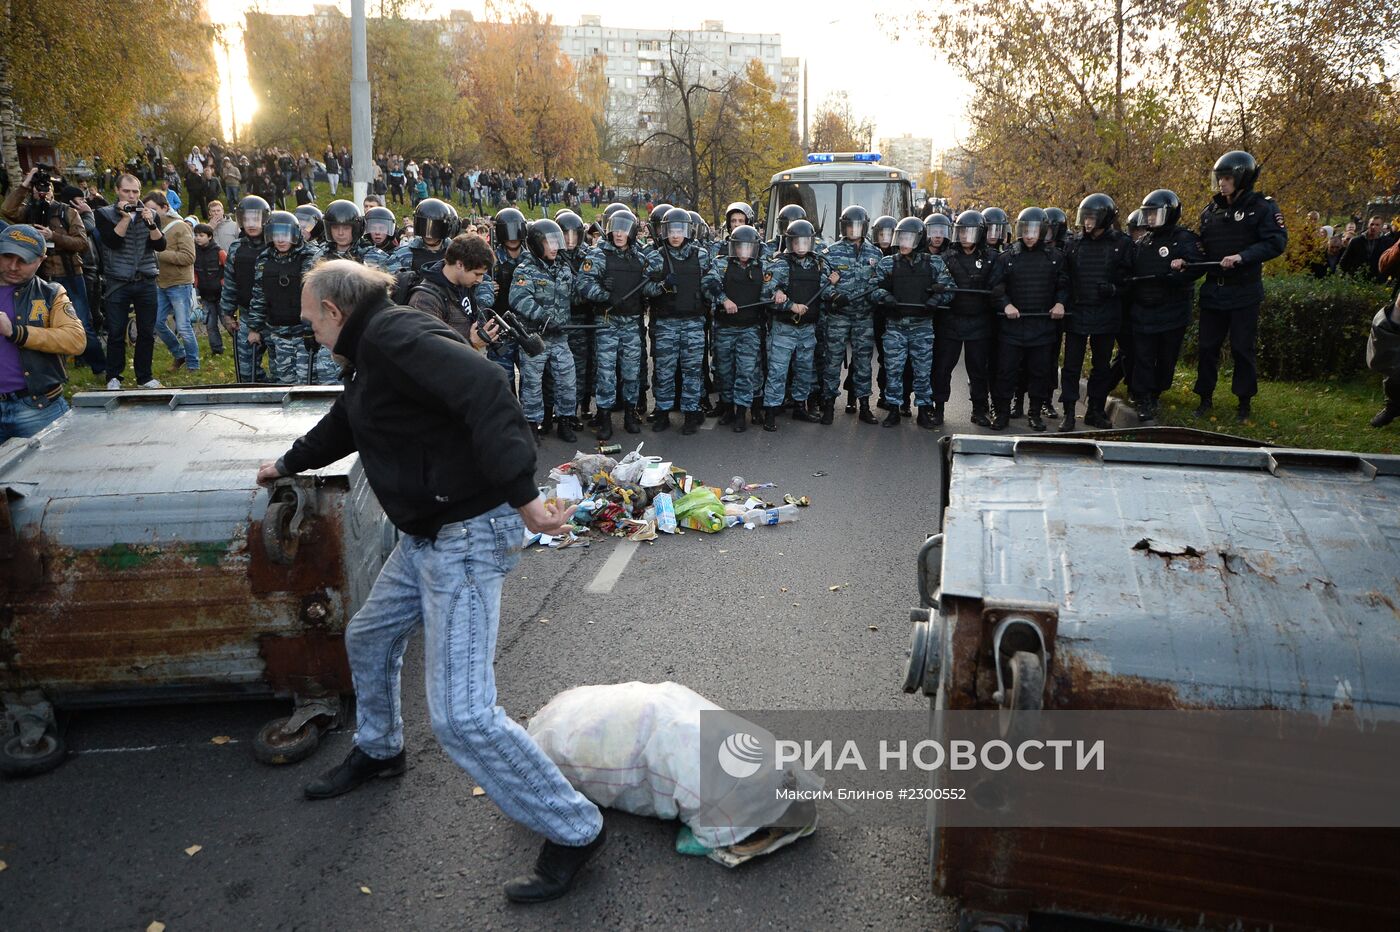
140, 563
1083, 573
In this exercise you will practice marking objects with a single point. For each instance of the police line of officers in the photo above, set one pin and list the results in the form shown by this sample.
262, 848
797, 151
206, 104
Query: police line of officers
771, 325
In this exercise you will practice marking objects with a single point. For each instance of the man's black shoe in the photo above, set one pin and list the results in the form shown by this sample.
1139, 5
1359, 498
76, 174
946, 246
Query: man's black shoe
1017, 408
801, 413
357, 768
828, 411
1202, 409
850, 403
1384, 416
882, 404
936, 415
693, 420
892, 419
540, 431
554, 871
630, 421
605, 426
1067, 422
925, 419
727, 413
1034, 422
866, 415
770, 419
979, 417
1000, 418
741, 420
1242, 413
565, 430
660, 421
1049, 412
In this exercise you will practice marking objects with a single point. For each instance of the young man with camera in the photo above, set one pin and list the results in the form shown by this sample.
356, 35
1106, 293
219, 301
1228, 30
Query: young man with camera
130, 235
32, 202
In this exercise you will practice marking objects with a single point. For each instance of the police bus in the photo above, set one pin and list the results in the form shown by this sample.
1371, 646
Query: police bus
832, 181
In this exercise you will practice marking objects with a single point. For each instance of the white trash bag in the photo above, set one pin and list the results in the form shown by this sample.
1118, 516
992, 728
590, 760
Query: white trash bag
635, 747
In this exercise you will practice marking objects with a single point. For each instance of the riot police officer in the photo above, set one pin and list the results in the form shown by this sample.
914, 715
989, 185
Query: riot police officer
434, 223
1031, 286
1059, 227
344, 227
909, 284
938, 231
1161, 299
378, 245
800, 287
541, 292
1099, 260
739, 287
851, 265
237, 295
678, 315
311, 219
274, 315
580, 341
1241, 229
966, 327
788, 214
652, 234
494, 292
998, 225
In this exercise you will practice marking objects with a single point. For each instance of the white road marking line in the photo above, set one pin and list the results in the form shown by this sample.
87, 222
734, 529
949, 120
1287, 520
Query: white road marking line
149, 747
617, 562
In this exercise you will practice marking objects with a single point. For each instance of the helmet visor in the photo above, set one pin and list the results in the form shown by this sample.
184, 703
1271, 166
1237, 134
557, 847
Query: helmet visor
281, 233
1154, 217
1090, 220
855, 229
800, 245
252, 218
883, 236
553, 239
906, 239
384, 227
968, 236
678, 228
939, 230
1028, 229
996, 232
741, 250
308, 226
620, 223
571, 239
434, 230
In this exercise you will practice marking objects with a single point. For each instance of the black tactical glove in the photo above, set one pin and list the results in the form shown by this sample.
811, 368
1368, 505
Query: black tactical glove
659, 275
841, 301
888, 300
671, 281
1107, 290
939, 288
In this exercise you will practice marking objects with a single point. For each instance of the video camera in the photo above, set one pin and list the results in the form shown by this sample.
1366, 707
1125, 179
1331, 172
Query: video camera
43, 178
509, 329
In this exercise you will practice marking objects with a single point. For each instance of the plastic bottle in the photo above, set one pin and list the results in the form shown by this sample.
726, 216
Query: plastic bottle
665, 513
736, 484
783, 514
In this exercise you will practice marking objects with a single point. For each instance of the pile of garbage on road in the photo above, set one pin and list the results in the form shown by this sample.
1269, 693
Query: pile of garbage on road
639, 497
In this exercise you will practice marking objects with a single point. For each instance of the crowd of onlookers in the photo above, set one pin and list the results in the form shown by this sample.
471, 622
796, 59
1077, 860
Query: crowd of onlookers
1354, 249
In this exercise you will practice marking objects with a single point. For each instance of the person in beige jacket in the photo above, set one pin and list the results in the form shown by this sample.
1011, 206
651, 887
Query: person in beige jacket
175, 284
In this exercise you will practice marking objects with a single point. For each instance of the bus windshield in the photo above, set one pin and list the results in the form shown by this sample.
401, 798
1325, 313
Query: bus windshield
824, 200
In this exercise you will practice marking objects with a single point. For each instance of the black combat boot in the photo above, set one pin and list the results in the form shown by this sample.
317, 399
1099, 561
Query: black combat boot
1067, 424
547, 424
803, 414
925, 419
1242, 413
631, 420
1000, 417
936, 415
892, 419
693, 420
829, 411
1033, 420
539, 431
1048, 410
850, 402
1144, 410
565, 429
866, 415
1385, 415
741, 420
554, 871
726, 414
756, 409
979, 417
770, 419
1202, 409
660, 421
605, 427
1017, 408
1094, 415
357, 768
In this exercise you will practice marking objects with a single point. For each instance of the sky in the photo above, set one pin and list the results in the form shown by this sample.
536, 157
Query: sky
898, 82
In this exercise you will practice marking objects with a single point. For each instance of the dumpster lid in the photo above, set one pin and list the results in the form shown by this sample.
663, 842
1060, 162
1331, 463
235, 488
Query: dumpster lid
161, 441
1246, 577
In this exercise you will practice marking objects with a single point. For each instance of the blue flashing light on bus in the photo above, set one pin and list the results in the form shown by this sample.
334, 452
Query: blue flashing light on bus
826, 158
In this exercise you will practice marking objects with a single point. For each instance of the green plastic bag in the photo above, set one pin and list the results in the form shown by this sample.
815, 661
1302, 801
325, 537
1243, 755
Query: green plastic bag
701, 510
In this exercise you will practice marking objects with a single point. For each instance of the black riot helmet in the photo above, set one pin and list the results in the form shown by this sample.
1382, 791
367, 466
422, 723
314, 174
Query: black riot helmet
344, 213
252, 209
936, 225
739, 207
283, 228
908, 234
745, 243
572, 226
677, 220
1238, 165
702, 229
855, 223
613, 208
1056, 221
510, 225
1098, 208
787, 215
381, 220
997, 223
658, 217
435, 220
882, 231
1032, 222
622, 221
1135, 224
541, 234
800, 237
970, 228
1161, 210
310, 218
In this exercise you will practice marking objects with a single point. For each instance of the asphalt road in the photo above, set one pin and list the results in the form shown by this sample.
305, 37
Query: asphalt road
745, 618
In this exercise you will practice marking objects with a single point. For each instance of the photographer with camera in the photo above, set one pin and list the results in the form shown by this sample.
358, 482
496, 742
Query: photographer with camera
32, 202
130, 236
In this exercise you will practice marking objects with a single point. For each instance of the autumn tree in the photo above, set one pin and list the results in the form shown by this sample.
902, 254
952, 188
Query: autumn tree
525, 95
98, 75
836, 128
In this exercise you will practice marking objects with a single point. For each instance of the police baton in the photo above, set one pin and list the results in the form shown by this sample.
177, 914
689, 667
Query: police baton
1023, 314
1159, 277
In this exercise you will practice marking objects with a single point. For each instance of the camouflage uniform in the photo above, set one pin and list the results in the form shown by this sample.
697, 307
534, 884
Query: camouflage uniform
738, 337
609, 274
239, 276
373, 256
414, 255
905, 284
495, 292
852, 323
793, 341
678, 326
275, 314
542, 293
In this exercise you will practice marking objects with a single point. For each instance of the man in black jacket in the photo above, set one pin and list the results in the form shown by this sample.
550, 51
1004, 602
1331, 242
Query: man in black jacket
449, 455
1030, 287
1099, 260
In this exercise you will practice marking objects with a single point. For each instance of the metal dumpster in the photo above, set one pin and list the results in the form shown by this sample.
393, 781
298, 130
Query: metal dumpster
140, 563
1100, 574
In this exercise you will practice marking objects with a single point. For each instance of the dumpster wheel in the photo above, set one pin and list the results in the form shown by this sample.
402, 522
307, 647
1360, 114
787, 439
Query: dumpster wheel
272, 745
1025, 696
46, 754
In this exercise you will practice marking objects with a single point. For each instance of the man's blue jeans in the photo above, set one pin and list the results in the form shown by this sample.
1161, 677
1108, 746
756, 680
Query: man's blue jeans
177, 301
451, 585
21, 417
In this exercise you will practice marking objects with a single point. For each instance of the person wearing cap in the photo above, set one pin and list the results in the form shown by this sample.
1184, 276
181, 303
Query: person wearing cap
38, 327
33, 201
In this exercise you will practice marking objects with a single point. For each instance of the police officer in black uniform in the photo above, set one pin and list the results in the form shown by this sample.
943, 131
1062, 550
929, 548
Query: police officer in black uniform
965, 328
1030, 286
1241, 229
1161, 299
1099, 260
